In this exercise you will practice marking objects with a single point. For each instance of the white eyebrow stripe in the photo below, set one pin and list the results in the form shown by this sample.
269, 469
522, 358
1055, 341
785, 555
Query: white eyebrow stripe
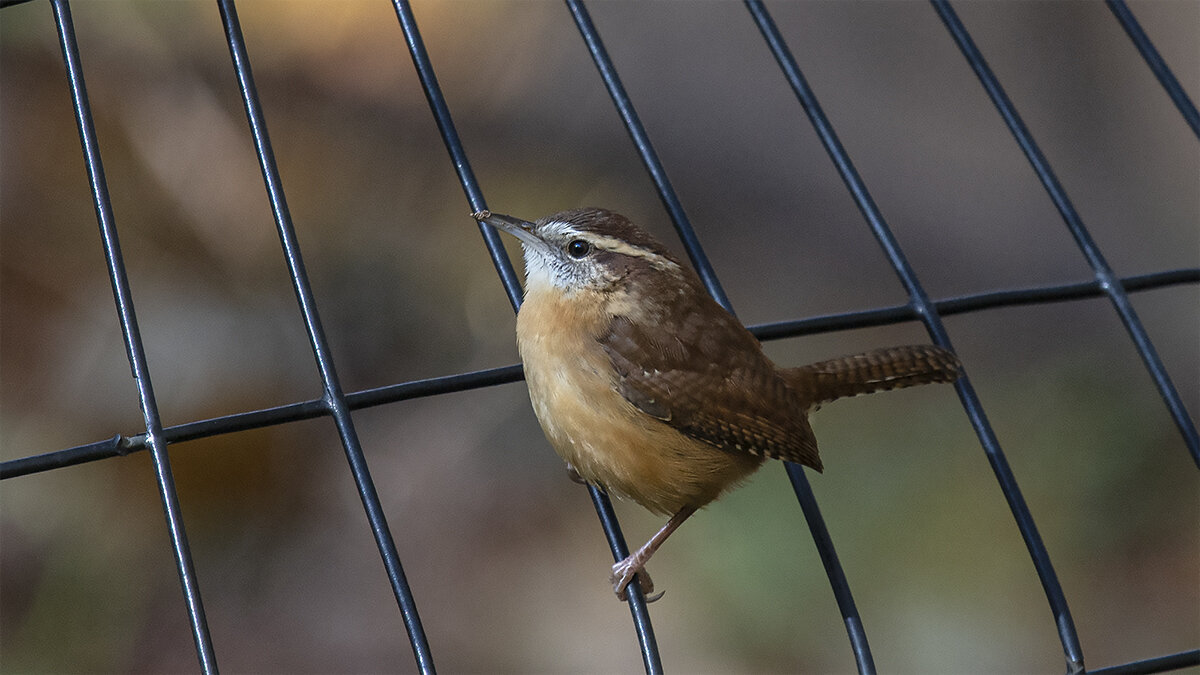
618, 246
606, 243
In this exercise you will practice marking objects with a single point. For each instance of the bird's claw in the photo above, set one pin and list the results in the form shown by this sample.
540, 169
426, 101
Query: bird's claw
623, 574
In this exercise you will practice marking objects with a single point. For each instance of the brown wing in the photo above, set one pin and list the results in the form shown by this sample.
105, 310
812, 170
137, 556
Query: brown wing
706, 376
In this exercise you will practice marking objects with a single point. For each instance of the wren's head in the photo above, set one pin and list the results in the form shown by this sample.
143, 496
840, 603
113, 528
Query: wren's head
582, 249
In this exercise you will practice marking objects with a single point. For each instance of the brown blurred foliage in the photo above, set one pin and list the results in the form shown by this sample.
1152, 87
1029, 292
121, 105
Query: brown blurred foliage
504, 555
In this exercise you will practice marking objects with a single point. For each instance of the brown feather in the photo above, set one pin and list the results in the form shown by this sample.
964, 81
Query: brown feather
876, 370
700, 371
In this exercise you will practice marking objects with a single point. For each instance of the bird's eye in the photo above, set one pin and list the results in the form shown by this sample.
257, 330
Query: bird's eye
578, 248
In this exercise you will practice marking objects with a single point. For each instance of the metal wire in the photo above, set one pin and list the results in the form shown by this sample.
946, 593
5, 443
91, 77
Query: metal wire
925, 310
641, 141
1157, 664
462, 166
1156, 63
883, 316
833, 568
637, 600
441, 113
133, 339
333, 400
338, 405
1083, 238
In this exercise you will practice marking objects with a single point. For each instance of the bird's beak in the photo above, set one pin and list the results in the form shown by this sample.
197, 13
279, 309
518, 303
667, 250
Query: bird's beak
521, 229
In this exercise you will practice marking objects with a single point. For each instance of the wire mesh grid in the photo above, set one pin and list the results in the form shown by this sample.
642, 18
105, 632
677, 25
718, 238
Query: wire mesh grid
337, 404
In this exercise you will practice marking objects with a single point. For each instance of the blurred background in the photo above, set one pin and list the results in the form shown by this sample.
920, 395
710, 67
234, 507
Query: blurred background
506, 559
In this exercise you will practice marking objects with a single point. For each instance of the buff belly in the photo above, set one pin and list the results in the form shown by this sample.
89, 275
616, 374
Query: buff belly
606, 439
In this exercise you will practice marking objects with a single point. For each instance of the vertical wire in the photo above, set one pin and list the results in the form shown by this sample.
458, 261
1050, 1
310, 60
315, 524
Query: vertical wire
458, 155
445, 122
808, 503
641, 141
833, 569
333, 399
1083, 239
925, 310
1157, 65
638, 608
133, 340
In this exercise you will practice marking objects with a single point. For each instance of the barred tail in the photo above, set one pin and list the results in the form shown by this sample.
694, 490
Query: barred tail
876, 370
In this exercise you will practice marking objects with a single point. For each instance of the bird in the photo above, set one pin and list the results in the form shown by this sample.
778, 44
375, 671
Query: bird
649, 389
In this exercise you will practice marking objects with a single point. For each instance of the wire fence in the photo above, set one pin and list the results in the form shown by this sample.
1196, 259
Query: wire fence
337, 404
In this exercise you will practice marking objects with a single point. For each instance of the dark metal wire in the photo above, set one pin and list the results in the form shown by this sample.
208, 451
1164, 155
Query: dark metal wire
1083, 239
977, 302
1156, 63
445, 123
333, 400
883, 316
833, 568
133, 339
123, 445
637, 600
658, 174
1156, 664
335, 403
926, 311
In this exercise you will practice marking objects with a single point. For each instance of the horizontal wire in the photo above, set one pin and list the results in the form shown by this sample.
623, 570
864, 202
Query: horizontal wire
965, 304
488, 377
1079, 232
1156, 664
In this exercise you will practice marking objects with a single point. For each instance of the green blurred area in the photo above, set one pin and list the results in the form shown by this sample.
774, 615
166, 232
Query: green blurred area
505, 557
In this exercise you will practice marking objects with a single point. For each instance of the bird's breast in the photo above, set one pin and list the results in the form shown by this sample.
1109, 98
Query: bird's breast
609, 442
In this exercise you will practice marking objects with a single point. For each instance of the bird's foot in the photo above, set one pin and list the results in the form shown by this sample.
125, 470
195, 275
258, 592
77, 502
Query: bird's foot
623, 574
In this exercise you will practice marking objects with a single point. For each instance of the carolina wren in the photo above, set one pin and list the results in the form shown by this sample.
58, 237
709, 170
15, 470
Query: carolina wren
650, 389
